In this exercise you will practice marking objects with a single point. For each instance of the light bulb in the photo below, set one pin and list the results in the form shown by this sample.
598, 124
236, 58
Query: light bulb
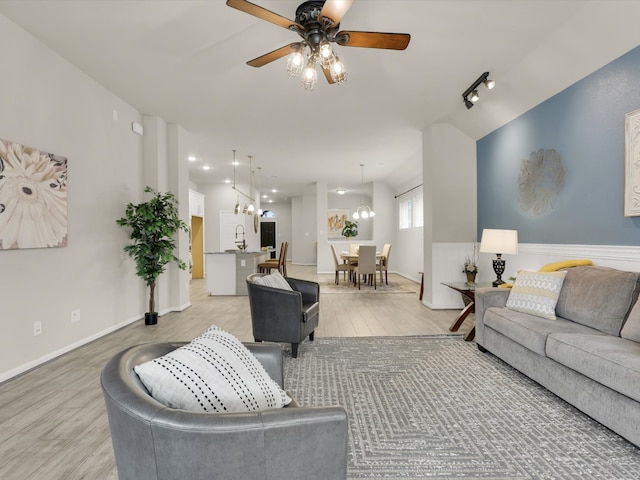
295, 62
372, 214
474, 96
326, 55
309, 76
364, 214
355, 215
490, 83
338, 72
250, 208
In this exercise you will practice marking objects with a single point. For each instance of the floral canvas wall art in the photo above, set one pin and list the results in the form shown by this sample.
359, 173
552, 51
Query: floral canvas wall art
33, 198
335, 222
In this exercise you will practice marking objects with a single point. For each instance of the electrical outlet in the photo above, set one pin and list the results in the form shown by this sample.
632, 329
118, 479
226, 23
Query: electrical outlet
37, 328
75, 316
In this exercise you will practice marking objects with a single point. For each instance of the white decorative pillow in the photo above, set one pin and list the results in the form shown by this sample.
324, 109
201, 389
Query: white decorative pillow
536, 293
274, 280
214, 373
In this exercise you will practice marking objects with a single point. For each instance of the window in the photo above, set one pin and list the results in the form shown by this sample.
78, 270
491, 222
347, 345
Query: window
410, 212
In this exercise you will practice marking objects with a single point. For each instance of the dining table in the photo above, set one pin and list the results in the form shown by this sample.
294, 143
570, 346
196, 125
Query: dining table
352, 259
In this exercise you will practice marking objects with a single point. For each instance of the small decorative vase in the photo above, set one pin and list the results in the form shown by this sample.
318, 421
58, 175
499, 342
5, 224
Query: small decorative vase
471, 277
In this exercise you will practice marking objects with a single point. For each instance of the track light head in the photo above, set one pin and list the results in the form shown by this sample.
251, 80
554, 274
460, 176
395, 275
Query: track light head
470, 95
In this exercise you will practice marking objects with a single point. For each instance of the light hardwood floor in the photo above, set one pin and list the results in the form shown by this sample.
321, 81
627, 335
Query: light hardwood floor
53, 422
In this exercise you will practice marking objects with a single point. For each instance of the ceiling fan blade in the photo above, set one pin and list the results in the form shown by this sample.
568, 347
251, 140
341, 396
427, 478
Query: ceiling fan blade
391, 41
263, 13
275, 55
327, 74
335, 10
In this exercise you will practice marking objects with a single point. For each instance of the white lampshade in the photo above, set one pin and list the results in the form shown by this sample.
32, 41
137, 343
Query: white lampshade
499, 241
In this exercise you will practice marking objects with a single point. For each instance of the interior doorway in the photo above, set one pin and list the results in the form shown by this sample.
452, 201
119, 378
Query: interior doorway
197, 248
268, 236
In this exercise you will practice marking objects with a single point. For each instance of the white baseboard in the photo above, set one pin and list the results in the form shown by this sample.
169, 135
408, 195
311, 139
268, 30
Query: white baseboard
4, 376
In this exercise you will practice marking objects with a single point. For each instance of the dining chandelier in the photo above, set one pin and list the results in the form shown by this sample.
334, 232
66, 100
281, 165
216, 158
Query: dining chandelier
363, 211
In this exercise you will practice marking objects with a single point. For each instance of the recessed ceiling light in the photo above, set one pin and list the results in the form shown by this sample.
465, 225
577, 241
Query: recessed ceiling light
206, 167
191, 158
341, 191
235, 162
265, 196
226, 180
274, 191
270, 201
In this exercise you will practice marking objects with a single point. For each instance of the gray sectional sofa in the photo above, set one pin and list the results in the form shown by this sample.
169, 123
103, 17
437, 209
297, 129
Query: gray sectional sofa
589, 355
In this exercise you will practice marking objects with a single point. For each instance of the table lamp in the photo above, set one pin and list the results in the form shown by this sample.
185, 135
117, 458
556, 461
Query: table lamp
499, 242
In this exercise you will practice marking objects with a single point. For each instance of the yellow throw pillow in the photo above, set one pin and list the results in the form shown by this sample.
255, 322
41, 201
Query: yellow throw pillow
552, 267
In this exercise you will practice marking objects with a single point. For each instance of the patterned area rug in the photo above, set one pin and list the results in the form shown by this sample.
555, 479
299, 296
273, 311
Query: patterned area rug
435, 407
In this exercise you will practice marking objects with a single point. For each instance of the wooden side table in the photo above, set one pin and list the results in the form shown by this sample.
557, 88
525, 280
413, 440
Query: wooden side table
468, 292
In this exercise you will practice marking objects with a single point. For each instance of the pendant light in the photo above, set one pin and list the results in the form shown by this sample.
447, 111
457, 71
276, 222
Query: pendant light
248, 209
363, 211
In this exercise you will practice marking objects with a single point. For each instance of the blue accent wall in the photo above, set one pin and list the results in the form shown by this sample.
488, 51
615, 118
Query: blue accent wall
585, 124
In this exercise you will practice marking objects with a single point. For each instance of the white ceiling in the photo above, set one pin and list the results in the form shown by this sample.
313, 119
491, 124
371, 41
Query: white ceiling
184, 60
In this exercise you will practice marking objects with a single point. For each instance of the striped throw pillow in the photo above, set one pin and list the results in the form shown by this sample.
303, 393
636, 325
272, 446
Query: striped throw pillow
214, 373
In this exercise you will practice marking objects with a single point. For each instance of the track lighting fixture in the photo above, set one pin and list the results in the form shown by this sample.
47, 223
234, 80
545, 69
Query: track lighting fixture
470, 95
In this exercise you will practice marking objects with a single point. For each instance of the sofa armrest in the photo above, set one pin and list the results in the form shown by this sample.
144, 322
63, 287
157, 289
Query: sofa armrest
310, 290
486, 298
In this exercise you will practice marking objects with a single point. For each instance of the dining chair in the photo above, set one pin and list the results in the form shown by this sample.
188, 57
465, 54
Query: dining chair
383, 264
340, 267
279, 263
366, 264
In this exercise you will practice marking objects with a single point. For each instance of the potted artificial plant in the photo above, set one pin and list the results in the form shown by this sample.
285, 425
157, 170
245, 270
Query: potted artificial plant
153, 225
350, 229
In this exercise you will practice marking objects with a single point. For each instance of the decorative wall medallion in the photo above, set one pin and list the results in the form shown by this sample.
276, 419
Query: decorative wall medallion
632, 164
33, 198
540, 181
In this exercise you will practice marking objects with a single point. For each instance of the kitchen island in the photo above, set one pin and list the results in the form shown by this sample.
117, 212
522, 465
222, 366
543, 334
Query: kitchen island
227, 271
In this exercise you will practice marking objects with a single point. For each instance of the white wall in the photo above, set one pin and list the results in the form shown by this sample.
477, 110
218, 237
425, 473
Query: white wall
304, 233
49, 104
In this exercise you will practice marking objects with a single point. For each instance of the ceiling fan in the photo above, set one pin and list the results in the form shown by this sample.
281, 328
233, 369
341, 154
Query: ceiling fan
318, 23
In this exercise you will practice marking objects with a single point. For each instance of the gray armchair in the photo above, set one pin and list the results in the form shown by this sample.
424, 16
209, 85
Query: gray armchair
279, 315
153, 442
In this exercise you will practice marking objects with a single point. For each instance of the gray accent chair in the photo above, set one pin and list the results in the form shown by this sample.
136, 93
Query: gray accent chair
279, 315
153, 442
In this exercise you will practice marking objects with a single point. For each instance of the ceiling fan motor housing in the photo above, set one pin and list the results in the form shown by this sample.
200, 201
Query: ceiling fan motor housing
307, 15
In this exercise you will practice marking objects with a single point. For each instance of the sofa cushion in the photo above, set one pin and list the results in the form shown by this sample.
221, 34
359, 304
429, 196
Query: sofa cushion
609, 360
536, 293
214, 373
598, 297
528, 330
631, 329
274, 280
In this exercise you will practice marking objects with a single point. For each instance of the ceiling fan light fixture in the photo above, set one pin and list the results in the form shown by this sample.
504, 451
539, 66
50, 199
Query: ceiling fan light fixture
326, 54
310, 75
295, 63
338, 72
